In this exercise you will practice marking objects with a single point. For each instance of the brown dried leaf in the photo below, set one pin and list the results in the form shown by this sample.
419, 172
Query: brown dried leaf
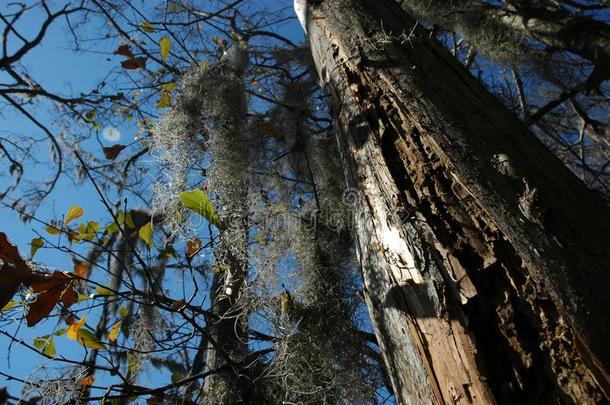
50, 291
112, 152
124, 50
134, 63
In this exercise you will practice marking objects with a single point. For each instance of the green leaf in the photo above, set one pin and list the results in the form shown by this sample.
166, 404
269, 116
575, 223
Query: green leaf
88, 339
104, 291
146, 233
60, 332
123, 312
169, 251
126, 219
111, 228
46, 345
197, 201
90, 115
165, 45
35, 244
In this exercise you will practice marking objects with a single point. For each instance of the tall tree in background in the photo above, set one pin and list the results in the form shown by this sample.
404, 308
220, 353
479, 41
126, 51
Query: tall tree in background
485, 260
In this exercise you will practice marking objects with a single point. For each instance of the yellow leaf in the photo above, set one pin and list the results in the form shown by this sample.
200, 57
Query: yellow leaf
146, 233
35, 244
104, 291
73, 212
114, 331
123, 312
165, 100
146, 26
10, 305
169, 86
75, 327
53, 230
165, 45
88, 339
205, 65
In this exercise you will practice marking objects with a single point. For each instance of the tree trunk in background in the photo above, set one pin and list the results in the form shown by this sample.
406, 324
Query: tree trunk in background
486, 262
227, 178
545, 22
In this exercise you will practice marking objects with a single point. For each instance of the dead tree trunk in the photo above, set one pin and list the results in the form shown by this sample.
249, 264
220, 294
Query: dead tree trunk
486, 262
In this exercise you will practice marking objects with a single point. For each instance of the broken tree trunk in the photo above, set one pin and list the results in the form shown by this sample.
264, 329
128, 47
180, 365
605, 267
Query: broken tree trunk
486, 262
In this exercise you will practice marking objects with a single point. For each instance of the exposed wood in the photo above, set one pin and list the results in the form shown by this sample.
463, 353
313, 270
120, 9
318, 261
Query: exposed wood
486, 261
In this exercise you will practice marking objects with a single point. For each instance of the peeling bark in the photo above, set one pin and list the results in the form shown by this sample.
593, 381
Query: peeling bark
485, 260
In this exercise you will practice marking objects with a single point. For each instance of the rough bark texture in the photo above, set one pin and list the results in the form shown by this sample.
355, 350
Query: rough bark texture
486, 262
546, 22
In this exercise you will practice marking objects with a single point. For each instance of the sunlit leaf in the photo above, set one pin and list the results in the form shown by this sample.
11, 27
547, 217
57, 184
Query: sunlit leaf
10, 305
87, 381
73, 212
126, 219
114, 331
146, 234
74, 328
53, 230
104, 291
46, 345
165, 45
169, 86
113, 151
88, 339
123, 312
35, 244
81, 269
165, 100
60, 332
146, 26
197, 201
111, 228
